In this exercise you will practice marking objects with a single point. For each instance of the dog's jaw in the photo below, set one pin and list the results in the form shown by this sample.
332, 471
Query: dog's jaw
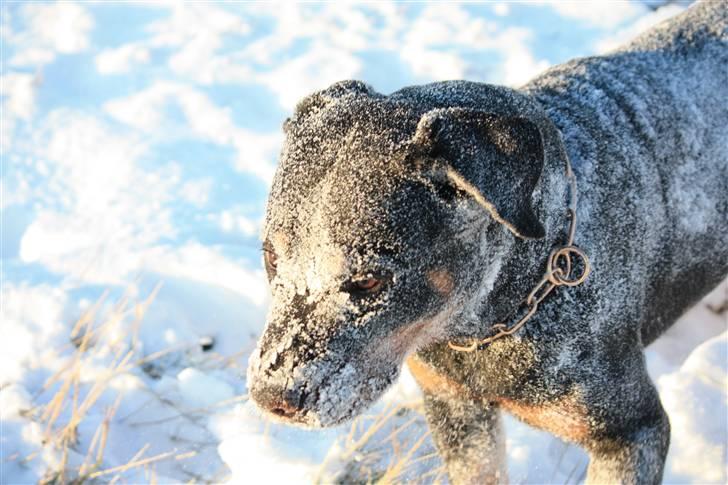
347, 390
338, 386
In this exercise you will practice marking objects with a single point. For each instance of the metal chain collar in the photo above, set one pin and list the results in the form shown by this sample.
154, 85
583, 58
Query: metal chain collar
559, 266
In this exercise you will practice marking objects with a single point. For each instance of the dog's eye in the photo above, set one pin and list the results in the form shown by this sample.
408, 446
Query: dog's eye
368, 284
365, 285
271, 262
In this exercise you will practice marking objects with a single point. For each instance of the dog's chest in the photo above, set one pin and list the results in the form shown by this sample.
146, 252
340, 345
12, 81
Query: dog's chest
565, 417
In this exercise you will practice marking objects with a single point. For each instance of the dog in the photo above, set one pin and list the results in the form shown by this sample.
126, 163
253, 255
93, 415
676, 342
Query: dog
517, 248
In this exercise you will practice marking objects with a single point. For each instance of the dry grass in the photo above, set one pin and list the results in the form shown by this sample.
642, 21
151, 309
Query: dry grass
392, 446
69, 396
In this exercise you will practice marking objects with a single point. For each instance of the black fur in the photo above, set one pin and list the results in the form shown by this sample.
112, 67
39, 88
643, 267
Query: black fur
451, 196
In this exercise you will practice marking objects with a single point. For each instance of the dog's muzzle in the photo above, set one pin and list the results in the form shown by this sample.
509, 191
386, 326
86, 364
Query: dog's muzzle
282, 403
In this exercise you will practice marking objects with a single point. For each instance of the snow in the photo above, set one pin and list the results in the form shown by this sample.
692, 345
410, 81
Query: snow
138, 143
259, 452
50, 29
694, 396
594, 12
200, 389
643, 23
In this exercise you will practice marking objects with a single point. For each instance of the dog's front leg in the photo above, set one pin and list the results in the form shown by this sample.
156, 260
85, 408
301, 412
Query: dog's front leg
469, 436
631, 442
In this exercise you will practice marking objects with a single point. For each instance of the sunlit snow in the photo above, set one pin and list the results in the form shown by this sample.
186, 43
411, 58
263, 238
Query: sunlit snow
138, 142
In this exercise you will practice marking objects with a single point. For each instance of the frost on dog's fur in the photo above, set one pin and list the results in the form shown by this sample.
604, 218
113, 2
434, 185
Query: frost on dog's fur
454, 194
350, 211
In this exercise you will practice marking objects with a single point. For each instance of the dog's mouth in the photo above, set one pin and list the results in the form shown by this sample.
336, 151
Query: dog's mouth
322, 385
320, 394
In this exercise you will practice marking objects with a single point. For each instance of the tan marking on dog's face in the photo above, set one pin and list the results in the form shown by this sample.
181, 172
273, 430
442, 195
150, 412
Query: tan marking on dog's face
411, 337
280, 241
441, 281
404, 338
416, 335
565, 417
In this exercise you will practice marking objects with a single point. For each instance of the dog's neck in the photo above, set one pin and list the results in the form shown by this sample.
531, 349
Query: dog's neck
513, 273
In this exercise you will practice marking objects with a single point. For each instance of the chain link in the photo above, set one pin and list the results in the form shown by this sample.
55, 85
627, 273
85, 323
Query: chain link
559, 268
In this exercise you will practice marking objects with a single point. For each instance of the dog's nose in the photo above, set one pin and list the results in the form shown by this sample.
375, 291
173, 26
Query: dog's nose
284, 403
284, 409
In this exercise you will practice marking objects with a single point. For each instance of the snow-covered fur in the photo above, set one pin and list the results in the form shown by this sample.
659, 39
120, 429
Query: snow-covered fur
445, 201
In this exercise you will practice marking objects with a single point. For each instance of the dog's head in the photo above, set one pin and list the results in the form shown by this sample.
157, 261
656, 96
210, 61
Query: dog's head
386, 217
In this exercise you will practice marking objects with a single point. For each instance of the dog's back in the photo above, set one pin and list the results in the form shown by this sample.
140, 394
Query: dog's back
646, 129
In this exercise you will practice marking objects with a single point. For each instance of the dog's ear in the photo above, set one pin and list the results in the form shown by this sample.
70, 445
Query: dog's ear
495, 159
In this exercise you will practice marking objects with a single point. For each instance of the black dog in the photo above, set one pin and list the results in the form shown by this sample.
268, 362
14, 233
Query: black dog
415, 223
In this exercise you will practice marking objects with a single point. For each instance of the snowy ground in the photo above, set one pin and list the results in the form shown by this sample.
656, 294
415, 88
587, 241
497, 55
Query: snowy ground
138, 142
